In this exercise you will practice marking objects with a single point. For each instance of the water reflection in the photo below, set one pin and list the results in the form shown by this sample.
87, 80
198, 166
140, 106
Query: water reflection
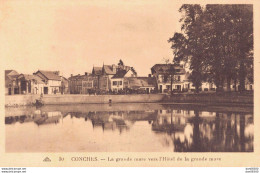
129, 128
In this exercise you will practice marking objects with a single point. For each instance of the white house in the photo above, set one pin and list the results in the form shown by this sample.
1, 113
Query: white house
52, 81
163, 74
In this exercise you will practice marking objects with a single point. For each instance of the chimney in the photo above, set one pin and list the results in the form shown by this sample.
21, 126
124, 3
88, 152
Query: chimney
78, 74
86, 73
71, 75
113, 67
149, 75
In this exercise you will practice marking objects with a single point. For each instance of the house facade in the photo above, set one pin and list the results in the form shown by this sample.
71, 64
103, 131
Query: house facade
30, 84
11, 85
118, 80
163, 74
52, 81
83, 84
147, 84
110, 76
64, 85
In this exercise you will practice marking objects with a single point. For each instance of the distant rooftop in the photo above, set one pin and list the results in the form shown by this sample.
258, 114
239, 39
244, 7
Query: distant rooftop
50, 75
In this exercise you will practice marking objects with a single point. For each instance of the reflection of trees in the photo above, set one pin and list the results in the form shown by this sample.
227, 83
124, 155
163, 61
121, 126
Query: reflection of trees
220, 135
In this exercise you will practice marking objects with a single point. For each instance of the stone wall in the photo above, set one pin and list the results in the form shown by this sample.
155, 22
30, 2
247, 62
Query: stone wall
24, 100
20, 100
70, 99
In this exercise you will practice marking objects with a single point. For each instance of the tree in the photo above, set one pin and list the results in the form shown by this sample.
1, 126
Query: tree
188, 46
216, 42
231, 34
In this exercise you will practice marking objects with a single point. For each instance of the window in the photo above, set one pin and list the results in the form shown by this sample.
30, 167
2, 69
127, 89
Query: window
120, 82
178, 70
87, 84
114, 83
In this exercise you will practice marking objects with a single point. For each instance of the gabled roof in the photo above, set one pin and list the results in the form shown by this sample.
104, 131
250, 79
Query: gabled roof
108, 69
97, 71
119, 74
11, 73
137, 82
165, 68
31, 77
50, 75
82, 77
64, 78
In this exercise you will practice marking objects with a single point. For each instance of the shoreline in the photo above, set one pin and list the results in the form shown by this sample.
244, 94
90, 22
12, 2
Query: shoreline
86, 108
202, 99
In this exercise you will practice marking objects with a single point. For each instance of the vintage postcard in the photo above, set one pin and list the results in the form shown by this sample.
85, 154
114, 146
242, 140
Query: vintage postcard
129, 83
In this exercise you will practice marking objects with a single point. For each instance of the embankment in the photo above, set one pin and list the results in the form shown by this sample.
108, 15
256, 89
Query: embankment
23, 100
20, 100
211, 98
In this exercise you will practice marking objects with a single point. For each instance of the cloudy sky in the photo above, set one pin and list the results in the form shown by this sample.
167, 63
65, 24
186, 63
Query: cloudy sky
72, 36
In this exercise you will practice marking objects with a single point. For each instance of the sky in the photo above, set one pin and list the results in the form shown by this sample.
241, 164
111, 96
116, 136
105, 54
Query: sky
74, 36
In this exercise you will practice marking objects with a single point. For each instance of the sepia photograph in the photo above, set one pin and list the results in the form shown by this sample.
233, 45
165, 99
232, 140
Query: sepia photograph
127, 77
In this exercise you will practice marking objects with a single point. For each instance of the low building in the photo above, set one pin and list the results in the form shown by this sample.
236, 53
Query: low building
148, 84
64, 85
52, 80
30, 84
83, 84
11, 85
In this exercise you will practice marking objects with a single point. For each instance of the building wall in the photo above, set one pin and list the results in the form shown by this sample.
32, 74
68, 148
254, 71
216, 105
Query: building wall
117, 84
82, 84
178, 82
54, 83
104, 82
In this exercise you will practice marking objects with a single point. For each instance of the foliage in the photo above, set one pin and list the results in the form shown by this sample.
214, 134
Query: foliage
217, 43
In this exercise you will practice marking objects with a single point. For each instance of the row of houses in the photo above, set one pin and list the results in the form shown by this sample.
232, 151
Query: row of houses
40, 82
117, 78
107, 79
110, 78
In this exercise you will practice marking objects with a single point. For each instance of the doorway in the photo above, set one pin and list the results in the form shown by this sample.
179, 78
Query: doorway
178, 87
45, 90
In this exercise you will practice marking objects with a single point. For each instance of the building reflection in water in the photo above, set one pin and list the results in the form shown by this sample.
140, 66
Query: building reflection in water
38, 117
182, 130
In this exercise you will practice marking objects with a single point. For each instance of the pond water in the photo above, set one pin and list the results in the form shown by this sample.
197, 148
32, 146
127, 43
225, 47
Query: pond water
129, 128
